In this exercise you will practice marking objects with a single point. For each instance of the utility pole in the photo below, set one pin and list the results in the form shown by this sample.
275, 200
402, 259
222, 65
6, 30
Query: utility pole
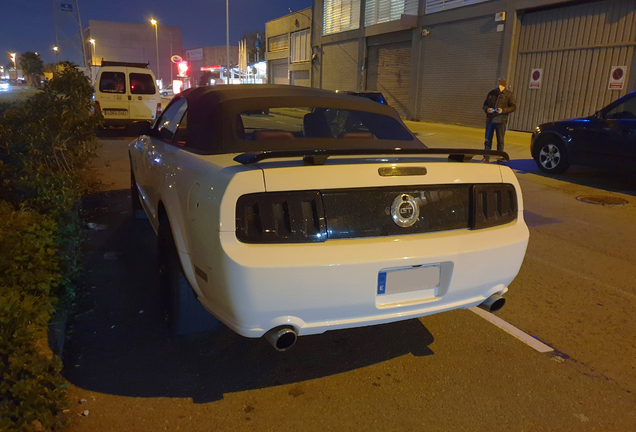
227, 34
81, 31
171, 66
69, 32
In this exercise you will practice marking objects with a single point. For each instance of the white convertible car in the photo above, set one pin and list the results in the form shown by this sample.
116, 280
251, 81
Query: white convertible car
287, 211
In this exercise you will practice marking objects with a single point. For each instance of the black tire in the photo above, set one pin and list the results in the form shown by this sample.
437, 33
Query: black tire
185, 314
137, 209
551, 155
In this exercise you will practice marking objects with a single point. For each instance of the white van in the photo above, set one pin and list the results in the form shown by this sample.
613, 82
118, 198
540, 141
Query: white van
126, 93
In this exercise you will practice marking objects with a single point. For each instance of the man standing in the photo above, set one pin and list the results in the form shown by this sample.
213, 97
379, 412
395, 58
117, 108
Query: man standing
498, 104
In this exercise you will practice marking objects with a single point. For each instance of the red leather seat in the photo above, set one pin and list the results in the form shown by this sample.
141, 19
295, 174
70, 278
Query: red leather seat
356, 135
263, 135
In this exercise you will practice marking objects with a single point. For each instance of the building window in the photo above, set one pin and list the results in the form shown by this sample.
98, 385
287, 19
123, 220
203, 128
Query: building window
380, 11
278, 43
340, 16
299, 43
433, 6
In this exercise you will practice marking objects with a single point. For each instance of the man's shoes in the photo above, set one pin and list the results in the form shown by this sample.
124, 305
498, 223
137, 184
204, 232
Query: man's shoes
486, 159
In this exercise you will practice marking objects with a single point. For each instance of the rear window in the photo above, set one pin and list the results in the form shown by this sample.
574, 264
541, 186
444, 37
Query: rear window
299, 123
141, 84
112, 82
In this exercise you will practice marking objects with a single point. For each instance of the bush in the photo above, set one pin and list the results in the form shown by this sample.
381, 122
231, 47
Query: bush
47, 142
46, 146
32, 394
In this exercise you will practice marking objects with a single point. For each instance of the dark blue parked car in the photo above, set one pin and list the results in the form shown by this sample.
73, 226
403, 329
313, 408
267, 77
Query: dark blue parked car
605, 140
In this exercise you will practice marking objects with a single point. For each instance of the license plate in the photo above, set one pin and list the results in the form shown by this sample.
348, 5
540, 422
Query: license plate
410, 279
117, 113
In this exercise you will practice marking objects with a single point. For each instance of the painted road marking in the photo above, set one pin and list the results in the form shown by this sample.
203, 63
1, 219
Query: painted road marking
512, 330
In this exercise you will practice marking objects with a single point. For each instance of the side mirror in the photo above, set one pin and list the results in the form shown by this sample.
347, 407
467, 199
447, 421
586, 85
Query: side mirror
138, 128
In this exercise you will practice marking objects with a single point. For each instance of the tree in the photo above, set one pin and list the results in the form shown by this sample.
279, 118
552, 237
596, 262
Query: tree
32, 66
251, 38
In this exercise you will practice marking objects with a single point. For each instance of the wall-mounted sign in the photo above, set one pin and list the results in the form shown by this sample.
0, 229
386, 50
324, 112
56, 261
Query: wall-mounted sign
536, 75
176, 59
194, 54
617, 78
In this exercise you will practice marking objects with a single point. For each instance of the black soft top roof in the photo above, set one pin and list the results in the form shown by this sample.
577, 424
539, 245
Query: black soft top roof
213, 110
296, 94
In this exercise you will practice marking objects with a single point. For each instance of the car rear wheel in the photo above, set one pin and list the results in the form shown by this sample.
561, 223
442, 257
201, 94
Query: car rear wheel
551, 156
185, 314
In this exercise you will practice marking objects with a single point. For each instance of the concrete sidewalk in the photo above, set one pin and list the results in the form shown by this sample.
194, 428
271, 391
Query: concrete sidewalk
452, 136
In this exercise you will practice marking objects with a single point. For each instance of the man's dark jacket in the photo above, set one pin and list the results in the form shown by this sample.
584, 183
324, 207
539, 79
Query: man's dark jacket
499, 99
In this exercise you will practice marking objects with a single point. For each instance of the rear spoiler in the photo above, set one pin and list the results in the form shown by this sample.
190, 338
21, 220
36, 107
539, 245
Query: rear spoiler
125, 64
319, 157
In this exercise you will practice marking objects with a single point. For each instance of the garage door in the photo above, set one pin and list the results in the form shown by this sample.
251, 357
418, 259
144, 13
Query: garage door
460, 65
389, 72
575, 47
340, 66
300, 78
279, 72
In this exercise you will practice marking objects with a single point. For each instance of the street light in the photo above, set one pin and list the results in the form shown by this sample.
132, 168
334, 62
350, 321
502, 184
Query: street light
15, 68
92, 42
57, 55
154, 23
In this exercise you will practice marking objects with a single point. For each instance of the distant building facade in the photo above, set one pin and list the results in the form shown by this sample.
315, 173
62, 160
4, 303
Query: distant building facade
207, 58
288, 47
435, 60
128, 42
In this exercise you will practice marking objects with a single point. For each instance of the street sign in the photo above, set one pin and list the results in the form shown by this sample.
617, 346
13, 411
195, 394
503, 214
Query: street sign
66, 7
617, 78
536, 75
176, 59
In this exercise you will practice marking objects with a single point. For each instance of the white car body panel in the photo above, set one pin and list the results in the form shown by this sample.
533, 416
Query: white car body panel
316, 287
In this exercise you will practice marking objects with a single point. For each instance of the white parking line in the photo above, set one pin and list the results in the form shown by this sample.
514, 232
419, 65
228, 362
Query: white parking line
512, 330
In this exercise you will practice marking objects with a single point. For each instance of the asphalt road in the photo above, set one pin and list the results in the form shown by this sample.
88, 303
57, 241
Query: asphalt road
447, 372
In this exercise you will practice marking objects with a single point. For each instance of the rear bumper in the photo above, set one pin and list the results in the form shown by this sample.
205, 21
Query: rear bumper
334, 285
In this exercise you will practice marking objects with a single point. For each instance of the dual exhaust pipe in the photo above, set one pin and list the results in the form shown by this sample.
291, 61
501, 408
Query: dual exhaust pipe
493, 303
284, 337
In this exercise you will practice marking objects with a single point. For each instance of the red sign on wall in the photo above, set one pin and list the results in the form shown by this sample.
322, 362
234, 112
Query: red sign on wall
536, 75
617, 77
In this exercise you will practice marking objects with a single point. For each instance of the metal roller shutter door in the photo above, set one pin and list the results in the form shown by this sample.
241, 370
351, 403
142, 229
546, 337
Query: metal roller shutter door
279, 72
340, 66
389, 72
300, 78
576, 46
460, 65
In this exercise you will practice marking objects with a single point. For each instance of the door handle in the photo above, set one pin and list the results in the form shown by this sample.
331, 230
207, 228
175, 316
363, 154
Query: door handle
129, 97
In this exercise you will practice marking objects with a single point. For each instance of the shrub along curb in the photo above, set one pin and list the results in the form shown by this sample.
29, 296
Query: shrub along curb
46, 145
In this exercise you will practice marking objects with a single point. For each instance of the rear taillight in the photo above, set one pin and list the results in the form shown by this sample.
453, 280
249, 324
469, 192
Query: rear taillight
158, 110
98, 107
493, 205
281, 217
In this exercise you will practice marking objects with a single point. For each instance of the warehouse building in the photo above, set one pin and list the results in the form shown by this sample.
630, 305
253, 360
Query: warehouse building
289, 49
135, 43
435, 60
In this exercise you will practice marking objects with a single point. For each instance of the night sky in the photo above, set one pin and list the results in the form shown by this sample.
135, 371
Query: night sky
28, 25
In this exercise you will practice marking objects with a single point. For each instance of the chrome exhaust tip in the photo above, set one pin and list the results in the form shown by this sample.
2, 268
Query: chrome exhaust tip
493, 303
282, 338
